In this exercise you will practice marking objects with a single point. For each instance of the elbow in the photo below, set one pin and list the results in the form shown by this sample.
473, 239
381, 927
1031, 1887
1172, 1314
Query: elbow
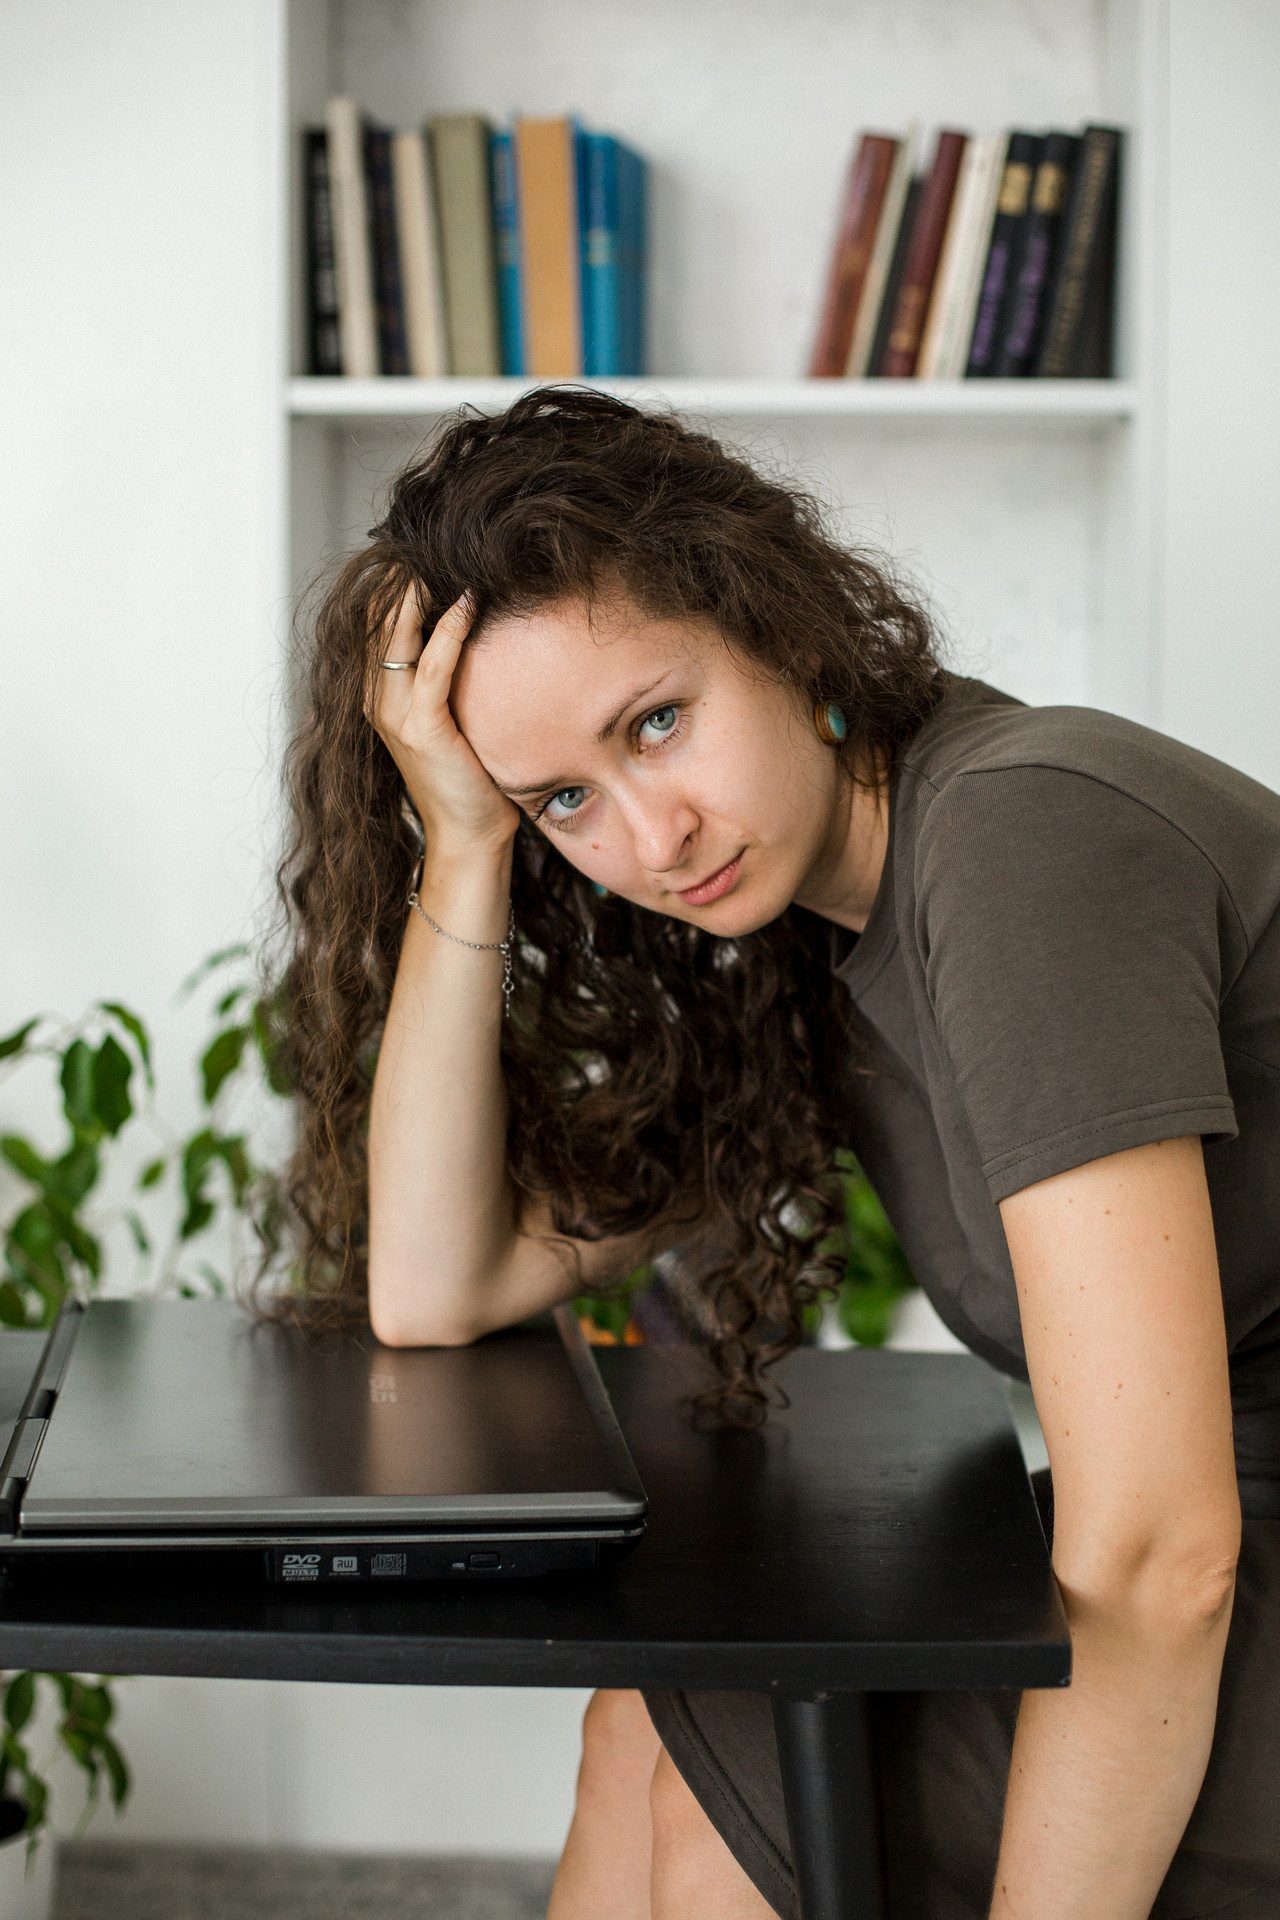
422, 1326
1176, 1593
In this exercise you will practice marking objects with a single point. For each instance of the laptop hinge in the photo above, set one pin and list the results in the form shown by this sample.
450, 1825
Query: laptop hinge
16, 1470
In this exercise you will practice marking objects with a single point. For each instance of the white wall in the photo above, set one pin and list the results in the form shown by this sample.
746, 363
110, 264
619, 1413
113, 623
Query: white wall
1220, 679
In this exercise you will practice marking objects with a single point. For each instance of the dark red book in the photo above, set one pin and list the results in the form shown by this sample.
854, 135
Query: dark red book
927, 236
864, 202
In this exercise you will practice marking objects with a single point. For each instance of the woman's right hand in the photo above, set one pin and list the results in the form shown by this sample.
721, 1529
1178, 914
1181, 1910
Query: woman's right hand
458, 804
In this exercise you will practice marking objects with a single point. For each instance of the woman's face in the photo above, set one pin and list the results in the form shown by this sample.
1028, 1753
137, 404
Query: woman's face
659, 763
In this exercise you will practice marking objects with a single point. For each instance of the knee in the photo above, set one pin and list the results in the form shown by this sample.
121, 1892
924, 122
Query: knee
619, 1741
671, 1804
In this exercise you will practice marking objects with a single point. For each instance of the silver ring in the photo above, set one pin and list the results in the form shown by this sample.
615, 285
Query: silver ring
397, 666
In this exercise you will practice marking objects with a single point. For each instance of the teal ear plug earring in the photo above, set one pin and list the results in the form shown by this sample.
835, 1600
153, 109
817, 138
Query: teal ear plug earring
829, 719
601, 893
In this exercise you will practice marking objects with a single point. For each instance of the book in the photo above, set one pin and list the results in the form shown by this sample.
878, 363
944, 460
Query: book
506, 241
352, 252
420, 278
460, 157
869, 173
894, 276
944, 346
1049, 194
550, 246
1084, 263
324, 345
1097, 334
911, 306
888, 228
633, 227
393, 356
1000, 270
611, 205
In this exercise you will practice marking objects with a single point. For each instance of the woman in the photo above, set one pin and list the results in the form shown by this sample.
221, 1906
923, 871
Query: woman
604, 726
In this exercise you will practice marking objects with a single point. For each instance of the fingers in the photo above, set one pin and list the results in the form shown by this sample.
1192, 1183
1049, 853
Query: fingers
397, 690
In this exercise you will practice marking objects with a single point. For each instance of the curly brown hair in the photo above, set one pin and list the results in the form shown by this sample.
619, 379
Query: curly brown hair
657, 1074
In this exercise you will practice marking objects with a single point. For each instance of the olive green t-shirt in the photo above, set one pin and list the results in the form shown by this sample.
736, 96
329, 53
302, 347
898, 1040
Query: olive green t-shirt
1075, 948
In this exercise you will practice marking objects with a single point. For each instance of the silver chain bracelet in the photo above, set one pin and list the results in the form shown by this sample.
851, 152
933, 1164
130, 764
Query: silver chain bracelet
504, 947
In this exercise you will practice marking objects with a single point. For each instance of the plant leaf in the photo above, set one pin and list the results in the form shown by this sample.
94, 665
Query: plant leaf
112, 1072
221, 1058
269, 1037
24, 1159
211, 965
16, 1041
139, 1232
117, 1771
74, 1234
134, 1026
19, 1701
151, 1173
13, 1308
76, 1173
35, 1237
76, 1080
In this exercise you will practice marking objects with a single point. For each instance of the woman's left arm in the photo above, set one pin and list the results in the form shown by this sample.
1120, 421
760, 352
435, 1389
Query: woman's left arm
1122, 1317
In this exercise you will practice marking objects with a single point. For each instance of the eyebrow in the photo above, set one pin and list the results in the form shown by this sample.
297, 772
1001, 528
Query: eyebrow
606, 732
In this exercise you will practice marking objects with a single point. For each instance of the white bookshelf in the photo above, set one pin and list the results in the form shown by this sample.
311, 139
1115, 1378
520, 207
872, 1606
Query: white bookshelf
1040, 401
1022, 508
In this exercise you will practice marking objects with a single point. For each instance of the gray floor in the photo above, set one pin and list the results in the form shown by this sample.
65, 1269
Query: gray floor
103, 1882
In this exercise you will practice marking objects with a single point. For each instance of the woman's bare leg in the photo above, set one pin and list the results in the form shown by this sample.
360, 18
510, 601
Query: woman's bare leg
604, 1869
694, 1876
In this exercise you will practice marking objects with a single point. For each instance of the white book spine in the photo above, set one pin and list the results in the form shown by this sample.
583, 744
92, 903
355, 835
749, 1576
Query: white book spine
939, 349
419, 238
954, 352
353, 258
895, 198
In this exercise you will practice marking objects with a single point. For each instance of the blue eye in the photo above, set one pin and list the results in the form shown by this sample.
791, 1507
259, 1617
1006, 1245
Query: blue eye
570, 799
662, 720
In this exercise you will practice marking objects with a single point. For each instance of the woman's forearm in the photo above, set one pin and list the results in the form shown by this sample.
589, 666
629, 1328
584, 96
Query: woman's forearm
1106, 1772
442, 1225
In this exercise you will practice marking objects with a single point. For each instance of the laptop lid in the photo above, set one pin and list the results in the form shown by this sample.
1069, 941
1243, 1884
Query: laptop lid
182, 1415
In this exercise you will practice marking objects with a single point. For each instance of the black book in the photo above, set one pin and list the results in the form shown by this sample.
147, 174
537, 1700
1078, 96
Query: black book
1004, 253
1076, 340
393, 349
1050, 193
893, 279
324, 344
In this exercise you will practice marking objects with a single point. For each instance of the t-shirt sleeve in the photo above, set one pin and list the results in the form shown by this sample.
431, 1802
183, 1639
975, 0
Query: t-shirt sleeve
1072, 959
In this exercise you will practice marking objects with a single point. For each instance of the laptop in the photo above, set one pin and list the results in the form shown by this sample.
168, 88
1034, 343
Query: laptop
189, 1425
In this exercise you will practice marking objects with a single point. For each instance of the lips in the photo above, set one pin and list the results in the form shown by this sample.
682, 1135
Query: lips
714, 887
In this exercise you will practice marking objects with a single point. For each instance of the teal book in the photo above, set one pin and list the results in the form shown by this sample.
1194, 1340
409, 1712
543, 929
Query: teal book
506, 245
633, 193
611, 203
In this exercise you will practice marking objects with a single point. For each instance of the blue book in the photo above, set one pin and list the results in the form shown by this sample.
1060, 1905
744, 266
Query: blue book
611, 201
598, 215
506, 245
633, 229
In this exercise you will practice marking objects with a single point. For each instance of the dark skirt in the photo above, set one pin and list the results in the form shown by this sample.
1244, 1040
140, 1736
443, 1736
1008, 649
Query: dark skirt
942, 1761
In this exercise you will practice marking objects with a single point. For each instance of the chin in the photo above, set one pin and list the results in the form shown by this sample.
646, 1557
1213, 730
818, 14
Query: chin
739, 914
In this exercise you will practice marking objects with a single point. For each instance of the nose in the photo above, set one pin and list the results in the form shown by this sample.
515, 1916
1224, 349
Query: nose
662, 827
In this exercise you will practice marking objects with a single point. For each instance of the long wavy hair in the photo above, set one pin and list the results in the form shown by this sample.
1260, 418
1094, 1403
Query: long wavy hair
658, 1075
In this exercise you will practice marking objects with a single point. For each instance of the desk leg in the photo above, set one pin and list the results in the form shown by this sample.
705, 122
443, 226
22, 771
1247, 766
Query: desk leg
825, 1754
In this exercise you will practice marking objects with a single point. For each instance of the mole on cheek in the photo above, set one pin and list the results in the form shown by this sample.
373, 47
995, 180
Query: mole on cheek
595, 846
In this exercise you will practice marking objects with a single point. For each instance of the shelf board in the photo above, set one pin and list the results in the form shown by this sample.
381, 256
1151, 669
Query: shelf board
392, 398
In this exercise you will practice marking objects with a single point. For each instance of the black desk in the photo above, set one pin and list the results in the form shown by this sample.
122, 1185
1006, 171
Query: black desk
879, 1535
